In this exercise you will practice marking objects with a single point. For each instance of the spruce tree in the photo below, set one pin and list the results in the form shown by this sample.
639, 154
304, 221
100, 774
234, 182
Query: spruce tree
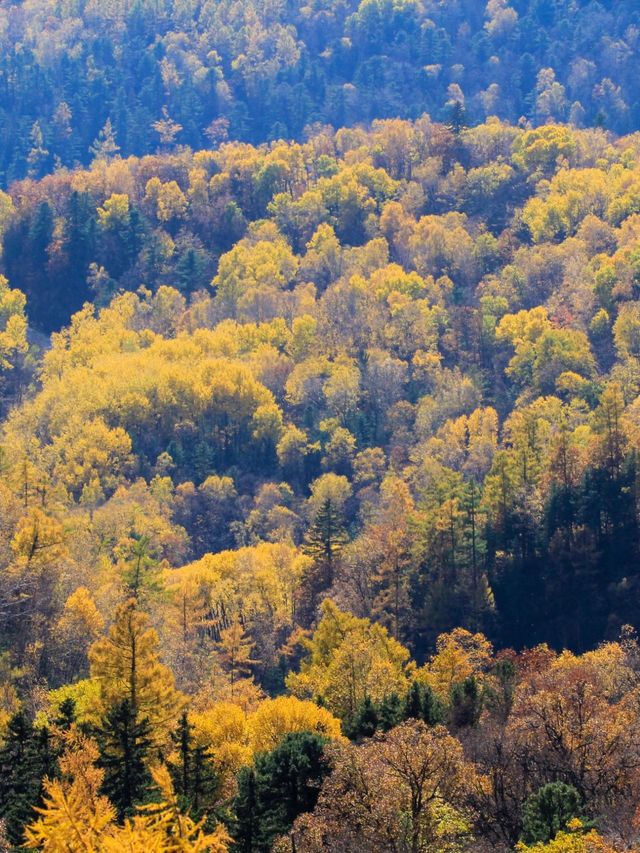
245, 809
413, 702
194, 778
433, 712
365, 720
466, 703
25, 759
390, 712
284, 784
325, 539
124, 742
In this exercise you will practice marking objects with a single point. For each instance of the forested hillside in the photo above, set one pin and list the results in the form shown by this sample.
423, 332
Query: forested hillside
81, 76
319, 426
338, 419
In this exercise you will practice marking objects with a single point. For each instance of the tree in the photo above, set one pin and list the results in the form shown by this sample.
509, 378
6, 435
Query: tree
324, 540
105, 146
74, 814
77, 818
127, 668
275, 718
124, 741
167, 129
79, 625
405, 790
284, 784
195, 779
26, 757
348, 659
235, 651
365, 721
549, 811
38, 153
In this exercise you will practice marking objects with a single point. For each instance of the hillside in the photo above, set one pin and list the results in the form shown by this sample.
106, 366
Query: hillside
319, 427
193, 72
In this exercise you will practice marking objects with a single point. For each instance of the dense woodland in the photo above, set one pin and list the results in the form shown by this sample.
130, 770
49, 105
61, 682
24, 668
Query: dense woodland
143, 74
319, 459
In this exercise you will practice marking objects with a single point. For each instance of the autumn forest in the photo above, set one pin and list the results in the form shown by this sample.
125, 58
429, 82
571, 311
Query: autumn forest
319, 426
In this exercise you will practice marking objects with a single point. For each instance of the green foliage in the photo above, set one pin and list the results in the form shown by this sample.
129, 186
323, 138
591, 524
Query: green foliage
548, 811
26, 758
124, 743
284, 784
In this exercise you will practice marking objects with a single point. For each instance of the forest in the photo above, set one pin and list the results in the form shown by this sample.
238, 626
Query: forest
144, 73
319, 427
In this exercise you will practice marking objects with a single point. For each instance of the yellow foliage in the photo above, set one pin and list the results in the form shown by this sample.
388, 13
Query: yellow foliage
76, 818
572, 841
349, 659
274, 718
126, 666
223, 730
459, 655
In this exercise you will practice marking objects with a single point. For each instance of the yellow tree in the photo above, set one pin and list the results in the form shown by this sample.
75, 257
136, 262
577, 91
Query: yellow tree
76, 818
126, 665
79, 625
348, 660
74, 815
274, 718
235, 649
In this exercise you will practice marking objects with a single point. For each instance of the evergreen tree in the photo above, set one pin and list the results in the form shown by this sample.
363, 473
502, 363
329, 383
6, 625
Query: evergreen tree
390, 712
548, 811
124, 743
245, 809
457, 118
365, 720
25, 759
413, 702
66, 716
195, 780
433, 712
324, 541
284, 784
326, 538
466, 703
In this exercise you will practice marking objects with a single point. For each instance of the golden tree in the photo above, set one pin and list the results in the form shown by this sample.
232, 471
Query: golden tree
127, 666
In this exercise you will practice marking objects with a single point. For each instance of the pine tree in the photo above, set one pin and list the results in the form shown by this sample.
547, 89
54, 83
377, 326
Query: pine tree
548, 811
124, 742
327, 536
245, 809
365, 720
194, 777
457, 118
285, 783
433, 712
390, 712
323, 543
25, 759
413, 702
466, 703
